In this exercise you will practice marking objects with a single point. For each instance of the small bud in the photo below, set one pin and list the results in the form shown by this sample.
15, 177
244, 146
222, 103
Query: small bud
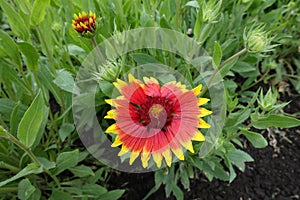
257, 40
211, 10
84, 23
109, 72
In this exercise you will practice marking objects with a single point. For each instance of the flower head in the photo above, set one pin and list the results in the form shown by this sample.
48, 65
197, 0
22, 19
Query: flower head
257, 40
155, 121
85, 24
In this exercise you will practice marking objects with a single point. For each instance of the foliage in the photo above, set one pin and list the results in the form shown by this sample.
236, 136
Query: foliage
41, 153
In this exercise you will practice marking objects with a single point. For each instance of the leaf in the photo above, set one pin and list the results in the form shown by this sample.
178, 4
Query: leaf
82, 171
30, 123
30, 54
10, 49
66, 160
65, 81
256, 139
217, 56
65, 130
39, 11
15, 118
238, 158
177, 192
194, 4
16, 22
111, 195
225, 69
25, 189
56, 194
142, 58
93, 189
280, 121
7, 106
24, 172
46, 163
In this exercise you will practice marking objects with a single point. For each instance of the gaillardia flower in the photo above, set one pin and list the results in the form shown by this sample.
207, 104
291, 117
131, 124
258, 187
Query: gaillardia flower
154, 121
84, 24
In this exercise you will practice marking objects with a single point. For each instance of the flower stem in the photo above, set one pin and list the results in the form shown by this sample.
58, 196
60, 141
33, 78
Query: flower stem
4, 133
219, 68
95, 45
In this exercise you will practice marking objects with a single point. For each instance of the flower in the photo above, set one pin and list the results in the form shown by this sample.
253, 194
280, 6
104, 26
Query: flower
85, 24
154, 121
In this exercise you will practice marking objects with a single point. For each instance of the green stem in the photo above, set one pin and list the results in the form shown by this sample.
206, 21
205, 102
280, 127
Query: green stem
8, 189
220, 67
4, 133
14, 140
178, 3
94, 42
10, 167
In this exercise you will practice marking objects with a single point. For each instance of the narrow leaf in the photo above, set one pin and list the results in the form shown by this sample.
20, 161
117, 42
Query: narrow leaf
31, 121
31, 55
280, 121
25, 189
66, 160
39, 11
217, 56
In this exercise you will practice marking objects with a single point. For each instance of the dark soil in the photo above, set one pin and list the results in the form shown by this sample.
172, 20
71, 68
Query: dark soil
275, 173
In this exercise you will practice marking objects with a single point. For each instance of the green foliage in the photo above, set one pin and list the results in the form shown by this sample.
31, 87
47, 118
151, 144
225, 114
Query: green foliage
40, 152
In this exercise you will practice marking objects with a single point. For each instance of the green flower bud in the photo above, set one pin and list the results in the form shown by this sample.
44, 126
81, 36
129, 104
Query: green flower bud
257, 40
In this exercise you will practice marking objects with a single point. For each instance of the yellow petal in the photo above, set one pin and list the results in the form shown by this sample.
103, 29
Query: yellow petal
202, 101
133, 156
189, 146
145, 159
131, 78
91, 13
74, 26
199, 137
204, 112
117, 142
178, 153
84, 14
83, 25
168, 156
111, 114
76, 16
197, 90
150, 80
203, 124
157, 157
119, 84
80, 16
112, 129
123, 150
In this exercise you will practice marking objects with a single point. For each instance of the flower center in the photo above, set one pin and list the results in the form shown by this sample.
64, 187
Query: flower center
156, 110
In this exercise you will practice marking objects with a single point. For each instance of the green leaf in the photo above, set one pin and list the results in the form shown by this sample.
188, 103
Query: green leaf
15, 118
66, 160
225, 69
15, 20
142, 58
194, 4
82, 171
39, 11
31, 55
25, 189
46, 163
177, 192
6, 106
65, 81
93, 189
112, 195
238, 158
217, 56
24, 172
256, 139
56, 194
31, 121
65, 130
280, 121
10, 49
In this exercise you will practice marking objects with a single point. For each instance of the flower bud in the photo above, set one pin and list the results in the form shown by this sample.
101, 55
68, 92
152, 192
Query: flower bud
257, 40
85, 24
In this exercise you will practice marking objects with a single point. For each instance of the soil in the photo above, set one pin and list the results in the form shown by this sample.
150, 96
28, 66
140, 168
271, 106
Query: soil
275, 173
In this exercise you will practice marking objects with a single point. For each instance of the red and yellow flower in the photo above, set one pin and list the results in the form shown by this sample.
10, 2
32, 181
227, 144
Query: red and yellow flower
84, 24
154, 121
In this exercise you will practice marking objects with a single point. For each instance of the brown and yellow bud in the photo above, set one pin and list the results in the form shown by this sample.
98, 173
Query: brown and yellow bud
84, 23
